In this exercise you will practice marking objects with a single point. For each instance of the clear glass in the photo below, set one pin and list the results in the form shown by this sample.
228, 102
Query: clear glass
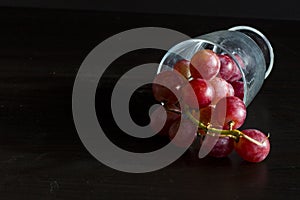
248, 43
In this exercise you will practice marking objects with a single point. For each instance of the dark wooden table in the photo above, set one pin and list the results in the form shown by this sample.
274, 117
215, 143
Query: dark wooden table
41, 155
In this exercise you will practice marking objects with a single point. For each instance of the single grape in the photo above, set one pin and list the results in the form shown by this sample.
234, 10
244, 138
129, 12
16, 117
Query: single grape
166, 86
227, 67
231, 109
185, 135
222, 148
239, 60
205, 114
238, 87
205, 64
237, 74
183, 67
162, 119
203, 90
222, 89
250, 151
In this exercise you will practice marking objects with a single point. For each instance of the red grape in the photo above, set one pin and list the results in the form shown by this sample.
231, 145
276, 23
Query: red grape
205, 114
222, 148
166, 86
222, 89
205, 64
239, 60
231, 109
237, 74
250, 151
183, 67
185, 134
202, 89
227, 67
238, 87
161, 120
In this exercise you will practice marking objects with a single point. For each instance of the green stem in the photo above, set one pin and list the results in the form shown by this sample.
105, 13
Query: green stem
235, 134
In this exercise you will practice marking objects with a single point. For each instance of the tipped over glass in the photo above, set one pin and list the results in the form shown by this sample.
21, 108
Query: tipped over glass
243, 42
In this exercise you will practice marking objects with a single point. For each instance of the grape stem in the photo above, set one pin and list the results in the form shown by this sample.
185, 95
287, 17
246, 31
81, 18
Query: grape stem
235, 134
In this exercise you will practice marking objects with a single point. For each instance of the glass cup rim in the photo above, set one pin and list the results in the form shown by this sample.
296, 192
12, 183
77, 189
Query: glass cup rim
264, 38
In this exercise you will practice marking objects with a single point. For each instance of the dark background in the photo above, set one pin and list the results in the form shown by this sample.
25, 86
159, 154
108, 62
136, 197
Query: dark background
41, 49
268, 9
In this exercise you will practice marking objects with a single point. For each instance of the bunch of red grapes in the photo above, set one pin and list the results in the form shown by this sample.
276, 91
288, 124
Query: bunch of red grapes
207, 92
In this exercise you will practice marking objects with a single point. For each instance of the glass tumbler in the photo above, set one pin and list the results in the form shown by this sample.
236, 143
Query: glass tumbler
249, 44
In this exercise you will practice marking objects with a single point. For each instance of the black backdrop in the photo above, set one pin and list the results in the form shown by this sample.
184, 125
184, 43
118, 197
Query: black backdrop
269, 9
41, 155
